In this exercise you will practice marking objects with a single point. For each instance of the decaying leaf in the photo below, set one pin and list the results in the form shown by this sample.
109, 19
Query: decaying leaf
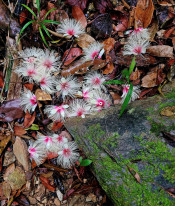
29, 119
11, 110
161, 51
20, 151
168, 111
144, 13
19, 131
84, 40
78, 14
134, 174
42, 96
47, 184
109, 44
154, 78
80, 3
4, 142
16, 179
109, 68
6, 189
10, 169
71, 55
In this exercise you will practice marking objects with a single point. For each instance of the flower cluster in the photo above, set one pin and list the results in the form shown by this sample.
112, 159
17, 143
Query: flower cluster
138, 41
38, 66
67, 151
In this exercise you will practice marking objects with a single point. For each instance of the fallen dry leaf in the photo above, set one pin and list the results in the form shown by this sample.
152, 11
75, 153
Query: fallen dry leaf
109, 44
109, 68
19, 131
154, 78
80, 3
11, 110
78, 14
42, 96
29, 119
47, 184
144, 13
168, 111
4, 142
20, 151
161, 51
16, 179
71, 55
8, 171
134, 174
6, 189
84, 40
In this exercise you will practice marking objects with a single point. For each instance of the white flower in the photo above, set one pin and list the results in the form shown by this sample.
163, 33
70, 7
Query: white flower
49, 60
37, 152
60, 140
49, 142
27, 70
135, 46
140, 33
70, 28
68, 86
86, 93
28, 101
100, 100
94, 50
68, 155
135, 93
56, 113
79, 107
95, 80
45, 81
30, 55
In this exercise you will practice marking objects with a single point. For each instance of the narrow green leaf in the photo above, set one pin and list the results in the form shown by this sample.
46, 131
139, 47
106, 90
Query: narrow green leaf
30, 11
33, 127
133, 63
114, 82
125, 73
127, 99
42, 36
45, 29
85, 162
50, 21
24, 27
37, 2
49, 12
80, 160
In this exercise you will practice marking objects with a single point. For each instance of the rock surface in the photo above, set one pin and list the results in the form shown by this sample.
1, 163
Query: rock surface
131, 160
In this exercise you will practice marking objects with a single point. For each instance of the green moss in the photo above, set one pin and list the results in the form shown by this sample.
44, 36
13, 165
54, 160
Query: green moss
113, 174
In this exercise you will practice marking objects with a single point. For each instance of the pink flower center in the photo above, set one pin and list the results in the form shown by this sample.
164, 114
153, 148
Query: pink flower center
31, 59
47, 139
60, 139
43, 81
85, 95
59, 109
30, 72
137, 50
47, 63
71, 32
80, 112
138, 30
100, 103
96, 81
125, 89
94, 54
32, 151
65, 86
67, 152
33, 100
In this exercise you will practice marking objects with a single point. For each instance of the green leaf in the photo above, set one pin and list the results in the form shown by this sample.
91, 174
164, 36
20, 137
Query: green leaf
24, 27
50, 21
85, 162
45, 29
127, 99
33, 127
125, 73
30, 11
37, 2
49, 12
42, 36
114, 82
133, 63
